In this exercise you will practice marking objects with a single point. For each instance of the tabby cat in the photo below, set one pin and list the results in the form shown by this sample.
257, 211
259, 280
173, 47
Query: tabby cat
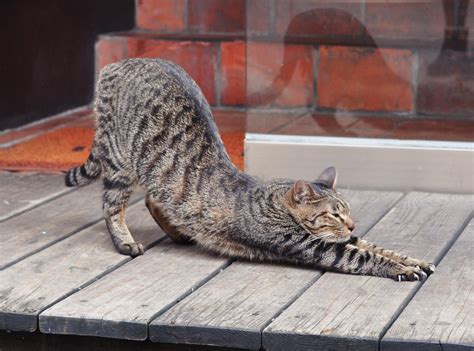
155, 128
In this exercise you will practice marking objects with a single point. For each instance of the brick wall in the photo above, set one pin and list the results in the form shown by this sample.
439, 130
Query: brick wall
406, 58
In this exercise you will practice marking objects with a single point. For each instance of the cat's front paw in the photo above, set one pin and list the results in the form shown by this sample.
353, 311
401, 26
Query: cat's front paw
410, 274
428, 268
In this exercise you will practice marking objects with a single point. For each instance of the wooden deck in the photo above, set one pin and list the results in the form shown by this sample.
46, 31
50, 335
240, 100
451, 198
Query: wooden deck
60, 275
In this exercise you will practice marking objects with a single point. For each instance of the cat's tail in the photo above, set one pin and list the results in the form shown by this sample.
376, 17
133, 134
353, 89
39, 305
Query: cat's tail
86, 173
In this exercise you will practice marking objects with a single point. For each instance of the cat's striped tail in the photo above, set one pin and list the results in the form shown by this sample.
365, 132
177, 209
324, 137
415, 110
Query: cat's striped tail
86, 173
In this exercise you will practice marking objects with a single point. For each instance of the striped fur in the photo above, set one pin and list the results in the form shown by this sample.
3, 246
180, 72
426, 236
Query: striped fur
155, 129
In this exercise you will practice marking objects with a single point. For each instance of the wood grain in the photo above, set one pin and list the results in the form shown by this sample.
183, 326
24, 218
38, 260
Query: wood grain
42, 226
22, 191
35, 283
121, 304
344, 312
233, 308
442, 312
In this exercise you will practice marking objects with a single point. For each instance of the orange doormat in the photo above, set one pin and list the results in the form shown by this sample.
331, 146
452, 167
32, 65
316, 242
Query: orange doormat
63, 148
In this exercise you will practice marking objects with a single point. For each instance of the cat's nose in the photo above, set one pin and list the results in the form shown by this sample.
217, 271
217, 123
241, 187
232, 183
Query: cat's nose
351, 226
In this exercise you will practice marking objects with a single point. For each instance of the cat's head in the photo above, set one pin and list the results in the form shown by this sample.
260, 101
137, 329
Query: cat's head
320, 209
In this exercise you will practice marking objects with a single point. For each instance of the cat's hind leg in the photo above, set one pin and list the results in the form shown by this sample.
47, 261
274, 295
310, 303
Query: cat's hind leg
164, 223
117, 191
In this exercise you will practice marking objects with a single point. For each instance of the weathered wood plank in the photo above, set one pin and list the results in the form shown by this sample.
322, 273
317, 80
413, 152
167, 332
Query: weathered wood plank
344, 312
33, 284
442, 312
21, 191
34, 230
154, 282
233, 308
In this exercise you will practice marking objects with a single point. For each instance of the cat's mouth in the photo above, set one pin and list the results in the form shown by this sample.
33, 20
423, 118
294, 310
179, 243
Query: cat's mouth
333, 237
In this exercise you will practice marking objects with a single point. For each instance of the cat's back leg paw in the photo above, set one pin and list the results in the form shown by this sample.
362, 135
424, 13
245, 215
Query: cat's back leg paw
131, 249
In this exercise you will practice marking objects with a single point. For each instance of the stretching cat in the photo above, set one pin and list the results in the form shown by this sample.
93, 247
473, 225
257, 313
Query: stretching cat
155, 128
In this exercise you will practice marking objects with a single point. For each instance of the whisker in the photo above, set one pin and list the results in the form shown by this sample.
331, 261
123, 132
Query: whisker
324, 236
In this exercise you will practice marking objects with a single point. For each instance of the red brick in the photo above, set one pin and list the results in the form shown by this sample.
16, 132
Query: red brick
279, 75
258, 16
316, 18
456, 130
230, 121
365, 79
446, 82
406, 20
269, 122
109, 50
216, 16
197, 58
161, 15
233, 73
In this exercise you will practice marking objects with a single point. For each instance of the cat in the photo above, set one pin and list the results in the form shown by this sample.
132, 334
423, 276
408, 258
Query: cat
155, 128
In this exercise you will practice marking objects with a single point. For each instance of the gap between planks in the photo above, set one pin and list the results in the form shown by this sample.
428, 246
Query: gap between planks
400, 198
167, 274
182, 325
31, 285
20, 192
432, 320
436, 261
39, 228
417, 226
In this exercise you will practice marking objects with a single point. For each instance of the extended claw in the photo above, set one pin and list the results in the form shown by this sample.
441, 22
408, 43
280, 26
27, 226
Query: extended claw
402, 277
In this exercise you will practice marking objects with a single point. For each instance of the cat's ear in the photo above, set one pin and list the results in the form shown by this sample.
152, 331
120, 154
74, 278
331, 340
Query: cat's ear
328, 178
303, 192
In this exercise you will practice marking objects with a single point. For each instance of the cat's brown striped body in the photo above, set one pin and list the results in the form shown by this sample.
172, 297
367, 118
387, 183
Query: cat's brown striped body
155, 128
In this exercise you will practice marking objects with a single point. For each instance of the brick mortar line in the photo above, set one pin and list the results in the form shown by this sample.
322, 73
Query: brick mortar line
96, 60
272, 23
322, 39
124, 43
186, 16
403, 116
315, 52
135, 17
456, 13
217, 75
414, 81
278, 128
363, 15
